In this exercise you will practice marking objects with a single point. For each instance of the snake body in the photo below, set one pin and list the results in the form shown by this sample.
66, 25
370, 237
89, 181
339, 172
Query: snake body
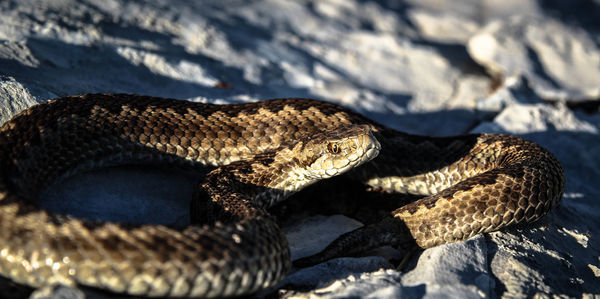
261, 153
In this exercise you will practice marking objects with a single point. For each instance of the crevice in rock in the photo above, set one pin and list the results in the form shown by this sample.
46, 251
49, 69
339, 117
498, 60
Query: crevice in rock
492, 249
591, 106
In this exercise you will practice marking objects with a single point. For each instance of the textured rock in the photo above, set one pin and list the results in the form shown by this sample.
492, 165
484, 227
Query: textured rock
14, 98
559, 61
311, 235
59, 292
458, 270
411, 65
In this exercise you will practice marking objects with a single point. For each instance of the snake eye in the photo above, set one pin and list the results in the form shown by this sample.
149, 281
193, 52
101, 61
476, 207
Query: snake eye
334, 148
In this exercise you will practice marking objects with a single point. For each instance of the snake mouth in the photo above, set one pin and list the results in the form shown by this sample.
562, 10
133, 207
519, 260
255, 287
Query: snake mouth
372, 149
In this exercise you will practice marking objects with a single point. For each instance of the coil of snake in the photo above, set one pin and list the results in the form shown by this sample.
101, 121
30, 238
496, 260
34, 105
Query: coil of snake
261, 153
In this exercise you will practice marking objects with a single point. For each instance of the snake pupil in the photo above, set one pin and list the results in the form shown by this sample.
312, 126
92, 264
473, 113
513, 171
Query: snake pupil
334, 148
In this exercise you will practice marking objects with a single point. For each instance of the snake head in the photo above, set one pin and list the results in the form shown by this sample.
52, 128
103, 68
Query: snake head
335, 152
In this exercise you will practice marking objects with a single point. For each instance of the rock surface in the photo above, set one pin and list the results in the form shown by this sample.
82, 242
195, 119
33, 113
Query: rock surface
559, 61
529, 68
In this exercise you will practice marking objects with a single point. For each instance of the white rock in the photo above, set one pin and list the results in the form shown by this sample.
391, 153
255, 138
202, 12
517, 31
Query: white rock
443, 27
332, 271
559, 61
463, 263
14, 98
311, 235
379, 284
449, 22
457, 270
183, 70
521, 112
402, 64
62, 292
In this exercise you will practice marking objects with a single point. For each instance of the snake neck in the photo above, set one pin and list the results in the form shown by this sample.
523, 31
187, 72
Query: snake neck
254, 185
267, 179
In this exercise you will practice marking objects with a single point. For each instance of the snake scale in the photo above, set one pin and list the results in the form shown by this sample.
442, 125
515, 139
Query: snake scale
260, 153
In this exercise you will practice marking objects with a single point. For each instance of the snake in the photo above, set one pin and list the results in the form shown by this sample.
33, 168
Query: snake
257, 154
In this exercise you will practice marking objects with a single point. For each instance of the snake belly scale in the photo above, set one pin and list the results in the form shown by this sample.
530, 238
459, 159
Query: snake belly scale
262, 152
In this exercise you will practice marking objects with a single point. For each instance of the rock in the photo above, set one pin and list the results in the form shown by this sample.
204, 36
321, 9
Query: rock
464, 263
520, 111
443, 27
451, 22
334, 270
58, 292
411, 65
14, 98
559, 61
457, 270
381, 283
311, 235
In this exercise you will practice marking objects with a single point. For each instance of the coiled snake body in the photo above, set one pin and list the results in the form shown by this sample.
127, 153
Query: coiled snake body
262, 152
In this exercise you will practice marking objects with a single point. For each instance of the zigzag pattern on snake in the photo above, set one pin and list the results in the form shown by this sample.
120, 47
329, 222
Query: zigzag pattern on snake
262, 152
